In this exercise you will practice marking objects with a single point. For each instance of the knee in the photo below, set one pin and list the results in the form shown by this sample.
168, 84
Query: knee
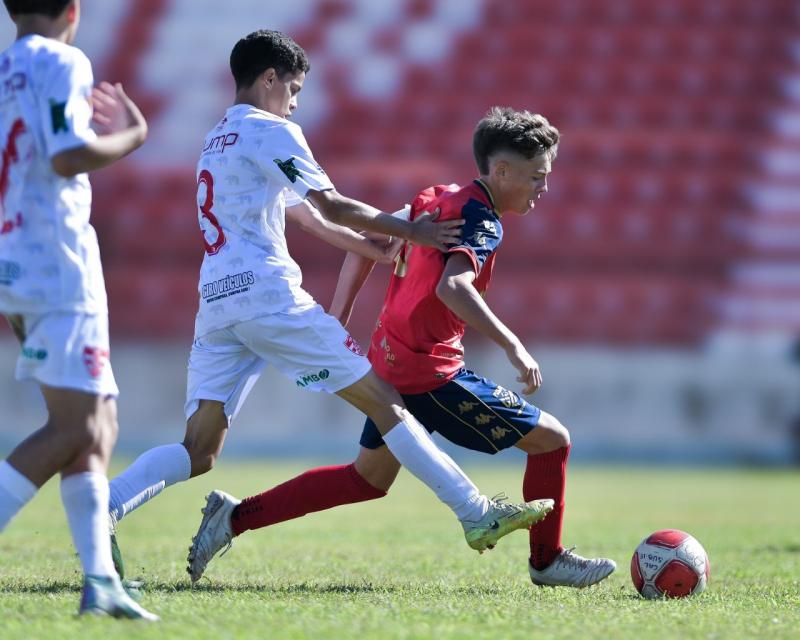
202, 455
86, 434
548, 435
561, 437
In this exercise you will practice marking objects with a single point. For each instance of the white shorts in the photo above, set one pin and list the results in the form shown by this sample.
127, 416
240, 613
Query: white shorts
309, 347
66, 350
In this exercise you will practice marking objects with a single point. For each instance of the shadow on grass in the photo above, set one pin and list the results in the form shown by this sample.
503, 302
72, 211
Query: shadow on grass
64, 586
786, 548
303, 588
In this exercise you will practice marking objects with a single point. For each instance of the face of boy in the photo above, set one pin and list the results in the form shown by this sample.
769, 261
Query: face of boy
281, 93
520, 181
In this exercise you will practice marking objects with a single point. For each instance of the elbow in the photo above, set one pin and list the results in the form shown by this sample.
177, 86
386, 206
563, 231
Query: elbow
63, 167
446, 289
330, 204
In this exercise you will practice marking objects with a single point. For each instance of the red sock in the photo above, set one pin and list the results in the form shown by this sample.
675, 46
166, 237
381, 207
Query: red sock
315, 490
546, 477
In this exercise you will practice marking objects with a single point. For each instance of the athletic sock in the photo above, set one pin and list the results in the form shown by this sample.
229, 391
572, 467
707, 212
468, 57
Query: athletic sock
15, 492
546, 477
85, 499
315, 490
414, 448
149, 475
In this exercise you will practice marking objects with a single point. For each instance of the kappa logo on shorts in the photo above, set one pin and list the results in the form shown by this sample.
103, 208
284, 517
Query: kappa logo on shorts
466, 407
313, 377
351, 344
499, 432
483, 419
95, 359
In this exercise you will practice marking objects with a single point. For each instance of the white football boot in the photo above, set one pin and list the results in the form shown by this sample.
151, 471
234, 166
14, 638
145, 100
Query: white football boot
214, 533
571, 570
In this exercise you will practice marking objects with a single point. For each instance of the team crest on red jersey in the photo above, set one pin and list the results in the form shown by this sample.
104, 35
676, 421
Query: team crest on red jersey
95, 359
351, 344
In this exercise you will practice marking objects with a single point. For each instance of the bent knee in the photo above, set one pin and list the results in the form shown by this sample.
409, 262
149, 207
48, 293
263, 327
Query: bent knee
548, 435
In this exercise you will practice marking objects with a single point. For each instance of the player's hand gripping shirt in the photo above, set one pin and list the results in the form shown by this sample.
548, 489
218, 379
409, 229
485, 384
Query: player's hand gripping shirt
252, 166
416, 345
49, 257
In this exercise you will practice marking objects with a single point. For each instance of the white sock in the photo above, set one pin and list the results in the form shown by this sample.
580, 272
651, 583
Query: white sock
85, 498
414, 448
149, 475
15, 492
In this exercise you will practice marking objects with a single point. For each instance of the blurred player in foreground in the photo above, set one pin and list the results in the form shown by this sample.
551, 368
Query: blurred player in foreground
417, 347
254, 312
51, 281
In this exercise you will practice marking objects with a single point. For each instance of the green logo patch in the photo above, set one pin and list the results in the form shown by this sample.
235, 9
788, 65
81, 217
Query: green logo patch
313, 377
288, 168
58, 116
34, 354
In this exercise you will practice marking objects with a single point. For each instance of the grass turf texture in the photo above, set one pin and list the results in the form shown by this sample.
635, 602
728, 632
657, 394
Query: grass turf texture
399, 567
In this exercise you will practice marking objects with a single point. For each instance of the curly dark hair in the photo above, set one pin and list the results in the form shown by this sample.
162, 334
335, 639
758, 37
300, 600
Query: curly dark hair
260, 50
504, 128
51, 8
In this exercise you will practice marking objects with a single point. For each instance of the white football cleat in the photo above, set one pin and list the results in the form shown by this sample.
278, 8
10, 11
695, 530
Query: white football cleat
571, 570
214, 533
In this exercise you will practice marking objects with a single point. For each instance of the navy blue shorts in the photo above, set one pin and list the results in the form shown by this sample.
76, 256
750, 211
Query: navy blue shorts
469, 411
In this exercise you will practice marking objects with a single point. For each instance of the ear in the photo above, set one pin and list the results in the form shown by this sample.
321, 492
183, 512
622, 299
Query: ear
500, 169
268, 77
72, 12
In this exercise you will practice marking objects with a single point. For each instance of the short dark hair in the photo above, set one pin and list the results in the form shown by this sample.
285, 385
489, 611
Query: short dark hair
260, 50
50, 8
523, 132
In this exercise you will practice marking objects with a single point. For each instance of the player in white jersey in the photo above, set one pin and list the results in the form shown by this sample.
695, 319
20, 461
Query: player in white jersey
51, 282
254, 312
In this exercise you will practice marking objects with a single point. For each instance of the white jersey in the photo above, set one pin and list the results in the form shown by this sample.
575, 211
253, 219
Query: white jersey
252, 163
49, 257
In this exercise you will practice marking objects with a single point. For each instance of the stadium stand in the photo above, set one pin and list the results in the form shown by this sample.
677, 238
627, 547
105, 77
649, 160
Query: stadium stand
672, 209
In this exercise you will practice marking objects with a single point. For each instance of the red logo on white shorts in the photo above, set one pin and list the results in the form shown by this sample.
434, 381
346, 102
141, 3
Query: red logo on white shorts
351, 344
95, 359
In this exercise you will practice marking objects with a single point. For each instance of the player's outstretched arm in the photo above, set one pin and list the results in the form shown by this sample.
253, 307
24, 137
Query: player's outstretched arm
456, 290
375, 248
122, 129
357, 215
354, 273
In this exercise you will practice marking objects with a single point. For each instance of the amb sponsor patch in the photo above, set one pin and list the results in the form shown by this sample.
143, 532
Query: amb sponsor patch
307, 379
29, 353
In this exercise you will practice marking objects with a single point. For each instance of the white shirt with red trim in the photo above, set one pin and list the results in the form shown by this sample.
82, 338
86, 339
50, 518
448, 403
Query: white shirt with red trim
253, 165
49, 257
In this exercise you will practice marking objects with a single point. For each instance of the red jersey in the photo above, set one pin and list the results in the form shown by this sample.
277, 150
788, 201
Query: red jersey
416, 345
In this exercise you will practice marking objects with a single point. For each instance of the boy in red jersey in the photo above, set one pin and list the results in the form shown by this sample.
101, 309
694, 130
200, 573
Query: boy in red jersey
417, 347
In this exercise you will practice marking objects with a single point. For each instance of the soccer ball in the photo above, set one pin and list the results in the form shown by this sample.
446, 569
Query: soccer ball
669, 564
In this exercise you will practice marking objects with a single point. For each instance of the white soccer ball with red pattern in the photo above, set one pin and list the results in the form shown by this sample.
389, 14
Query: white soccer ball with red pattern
670, 564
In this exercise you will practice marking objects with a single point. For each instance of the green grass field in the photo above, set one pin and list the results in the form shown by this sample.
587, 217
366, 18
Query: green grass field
399, 567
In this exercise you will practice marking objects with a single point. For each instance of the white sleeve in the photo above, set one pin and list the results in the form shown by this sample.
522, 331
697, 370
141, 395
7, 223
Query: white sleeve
287, 159
291, 198
65, 109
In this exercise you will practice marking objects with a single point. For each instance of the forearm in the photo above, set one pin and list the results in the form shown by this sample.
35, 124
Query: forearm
374, 248
354, 273
360, 216
464, 300
98, 153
